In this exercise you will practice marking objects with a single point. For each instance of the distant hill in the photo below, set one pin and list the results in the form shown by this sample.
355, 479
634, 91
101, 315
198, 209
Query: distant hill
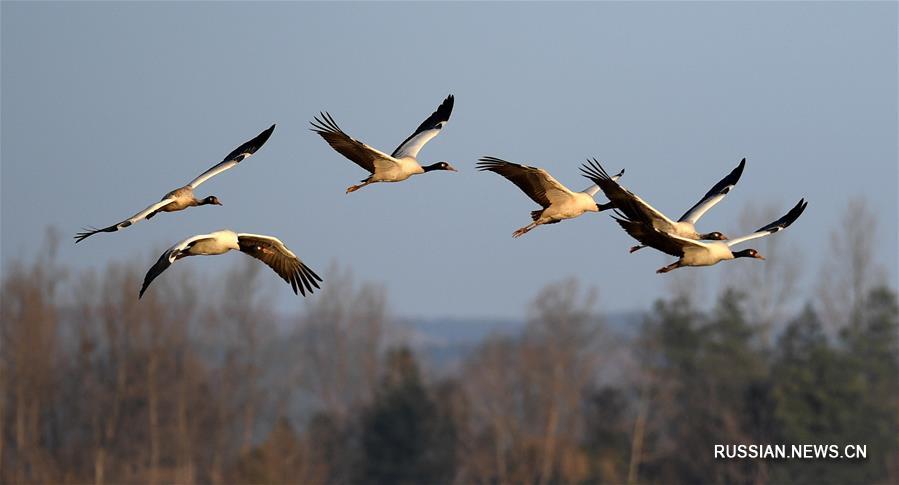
444, 342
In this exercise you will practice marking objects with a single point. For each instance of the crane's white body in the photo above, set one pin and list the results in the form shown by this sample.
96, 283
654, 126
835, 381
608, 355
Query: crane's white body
218, 242
572, 205
705, 253
391, 169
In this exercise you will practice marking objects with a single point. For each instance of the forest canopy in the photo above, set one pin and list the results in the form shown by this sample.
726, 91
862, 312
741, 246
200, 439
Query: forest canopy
186, 386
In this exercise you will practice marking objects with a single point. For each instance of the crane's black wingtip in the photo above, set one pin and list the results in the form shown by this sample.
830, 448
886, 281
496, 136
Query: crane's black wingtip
594, 171
731, 179
264, 136
736, 173
87, 232
796, 211
315, 276
143, 287
250, 147
788, 219
444, 110
488, 159
491, 164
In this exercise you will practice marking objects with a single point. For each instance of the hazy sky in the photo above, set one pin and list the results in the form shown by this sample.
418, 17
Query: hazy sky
107, 106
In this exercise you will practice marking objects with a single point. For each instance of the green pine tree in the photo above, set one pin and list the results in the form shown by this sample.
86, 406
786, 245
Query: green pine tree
847, 394
405, 437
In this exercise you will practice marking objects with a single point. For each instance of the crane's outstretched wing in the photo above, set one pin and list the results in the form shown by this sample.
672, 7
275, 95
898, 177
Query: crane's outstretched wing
274, 253
535, 182
239, 154
428, 129
722, 188
593, 189
624, 200
360, 153
171, 255
778, 225
90, 231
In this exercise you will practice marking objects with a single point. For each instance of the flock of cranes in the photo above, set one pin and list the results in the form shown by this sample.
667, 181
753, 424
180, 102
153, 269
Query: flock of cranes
650, 227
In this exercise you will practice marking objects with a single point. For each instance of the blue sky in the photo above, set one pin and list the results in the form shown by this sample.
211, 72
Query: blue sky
107, 106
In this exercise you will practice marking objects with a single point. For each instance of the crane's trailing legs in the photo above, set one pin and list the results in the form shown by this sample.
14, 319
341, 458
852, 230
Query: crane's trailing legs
523, 230
357, 187
674, 265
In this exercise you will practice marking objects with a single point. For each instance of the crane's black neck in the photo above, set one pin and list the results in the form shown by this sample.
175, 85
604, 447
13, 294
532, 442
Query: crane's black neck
604, 207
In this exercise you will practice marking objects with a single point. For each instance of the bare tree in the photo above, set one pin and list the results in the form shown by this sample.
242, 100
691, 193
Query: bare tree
240, 323
128, 363
342, 334
524, 394
851, 269
563, 333
28, 363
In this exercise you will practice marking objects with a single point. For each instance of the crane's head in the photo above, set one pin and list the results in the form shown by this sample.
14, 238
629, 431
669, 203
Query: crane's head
439, 166
213, 200
713, 236
748, 253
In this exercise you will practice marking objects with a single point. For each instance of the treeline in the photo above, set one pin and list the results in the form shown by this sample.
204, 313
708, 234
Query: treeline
190, 387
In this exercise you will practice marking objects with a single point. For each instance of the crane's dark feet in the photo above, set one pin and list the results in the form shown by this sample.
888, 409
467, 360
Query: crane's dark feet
668, 268
521, 231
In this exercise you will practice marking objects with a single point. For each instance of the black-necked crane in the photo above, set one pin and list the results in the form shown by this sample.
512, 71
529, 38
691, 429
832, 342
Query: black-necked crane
270, 250
692, 252
557, 201
399, 165
636, 208
182, 198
